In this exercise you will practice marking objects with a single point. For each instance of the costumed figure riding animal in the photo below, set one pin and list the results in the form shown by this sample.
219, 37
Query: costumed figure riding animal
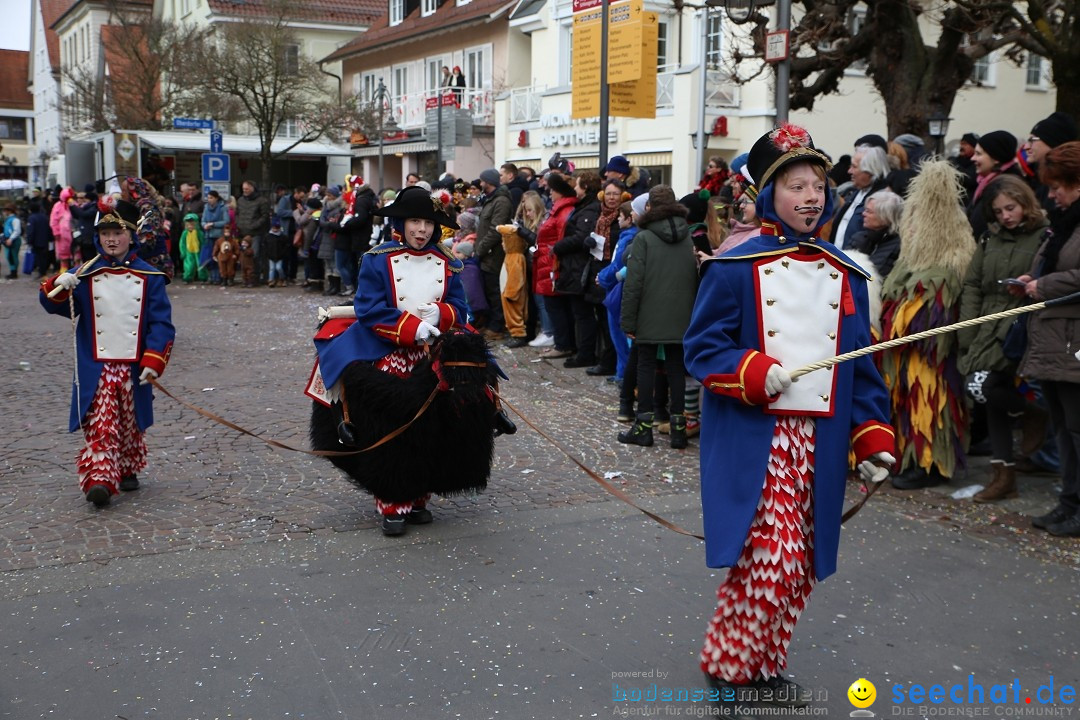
405, 356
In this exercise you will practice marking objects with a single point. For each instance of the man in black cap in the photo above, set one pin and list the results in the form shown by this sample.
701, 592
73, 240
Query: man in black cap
123, 340
965, 164
1047, 134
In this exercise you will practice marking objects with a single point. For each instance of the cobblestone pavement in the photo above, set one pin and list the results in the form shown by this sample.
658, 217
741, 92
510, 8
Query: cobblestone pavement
245, 354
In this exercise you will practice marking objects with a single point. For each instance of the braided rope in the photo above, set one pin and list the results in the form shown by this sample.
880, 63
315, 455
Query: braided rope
897, 342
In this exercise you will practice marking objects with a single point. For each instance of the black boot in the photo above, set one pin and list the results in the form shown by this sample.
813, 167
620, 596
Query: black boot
502, 424
640, 433
678, 432
333, 286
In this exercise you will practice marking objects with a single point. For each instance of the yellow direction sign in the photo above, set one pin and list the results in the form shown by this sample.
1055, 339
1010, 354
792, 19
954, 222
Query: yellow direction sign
624, 41
637, 98
585, 76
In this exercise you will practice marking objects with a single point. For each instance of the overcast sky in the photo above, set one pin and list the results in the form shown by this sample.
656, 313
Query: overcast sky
15, 29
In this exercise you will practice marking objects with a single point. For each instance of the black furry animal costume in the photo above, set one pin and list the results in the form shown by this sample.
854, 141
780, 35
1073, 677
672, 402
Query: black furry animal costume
415, 463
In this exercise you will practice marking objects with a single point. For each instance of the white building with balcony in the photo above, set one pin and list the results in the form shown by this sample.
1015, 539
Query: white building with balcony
406, 49
533, 118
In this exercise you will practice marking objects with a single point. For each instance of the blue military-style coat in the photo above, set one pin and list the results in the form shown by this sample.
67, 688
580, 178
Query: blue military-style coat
394, 279
772, 300
124, 315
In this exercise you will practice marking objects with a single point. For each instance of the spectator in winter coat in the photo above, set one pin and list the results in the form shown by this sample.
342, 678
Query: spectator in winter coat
495, 209
38, 237
253, 218
880, 236
573, 257
60, 224
545, 267
636, 180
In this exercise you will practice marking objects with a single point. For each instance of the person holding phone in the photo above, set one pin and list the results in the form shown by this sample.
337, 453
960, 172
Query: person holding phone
1014, 233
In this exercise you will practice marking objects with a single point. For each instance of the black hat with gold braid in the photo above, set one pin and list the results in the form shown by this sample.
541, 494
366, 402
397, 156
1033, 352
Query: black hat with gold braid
123, 214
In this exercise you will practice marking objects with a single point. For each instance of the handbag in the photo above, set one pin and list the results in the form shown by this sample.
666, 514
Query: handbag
1015, 343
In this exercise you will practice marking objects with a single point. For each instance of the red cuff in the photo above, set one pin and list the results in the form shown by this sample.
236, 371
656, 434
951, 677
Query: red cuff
47, 286
448, 317
871, 438
155, 360
403, 334
747, 383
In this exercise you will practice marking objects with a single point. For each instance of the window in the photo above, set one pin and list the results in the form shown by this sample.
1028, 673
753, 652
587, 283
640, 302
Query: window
714, 39
292, 60
433, 77
662, 43
428, 7
400, 84
12, 128
289, 129
566, 71
981, 74
477, 67
368, 84
397, 11
855, 22
1035, 76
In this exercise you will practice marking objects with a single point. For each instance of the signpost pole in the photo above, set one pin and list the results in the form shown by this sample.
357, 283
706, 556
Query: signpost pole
783, 68
605, 98
703, 86
439, 169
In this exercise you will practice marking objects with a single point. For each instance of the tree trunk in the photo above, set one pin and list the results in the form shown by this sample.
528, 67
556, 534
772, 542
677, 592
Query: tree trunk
914, 80
1065, 71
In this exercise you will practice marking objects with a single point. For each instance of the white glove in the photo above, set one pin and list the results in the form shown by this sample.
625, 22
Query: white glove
68, 281
871, 472
777, 380
426, 333
148, 374
429, 313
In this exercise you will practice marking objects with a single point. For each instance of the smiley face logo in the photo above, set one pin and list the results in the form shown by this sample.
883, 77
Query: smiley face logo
862, 693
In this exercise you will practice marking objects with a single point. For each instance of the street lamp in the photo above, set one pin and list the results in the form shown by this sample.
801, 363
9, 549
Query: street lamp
381, 96
938, 123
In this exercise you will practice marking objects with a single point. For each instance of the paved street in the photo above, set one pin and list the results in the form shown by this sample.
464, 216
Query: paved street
248, 582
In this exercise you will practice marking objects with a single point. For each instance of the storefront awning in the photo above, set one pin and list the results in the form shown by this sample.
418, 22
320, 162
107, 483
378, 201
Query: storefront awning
388, 149
165, 141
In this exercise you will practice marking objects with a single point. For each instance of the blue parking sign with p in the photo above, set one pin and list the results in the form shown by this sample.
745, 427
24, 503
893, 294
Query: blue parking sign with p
215, 167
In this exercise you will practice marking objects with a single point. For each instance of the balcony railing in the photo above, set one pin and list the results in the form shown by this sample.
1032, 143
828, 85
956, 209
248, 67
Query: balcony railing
410, 111
526, 104
720, 91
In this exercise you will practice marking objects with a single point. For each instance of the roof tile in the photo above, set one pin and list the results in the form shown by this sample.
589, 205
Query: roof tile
14, 72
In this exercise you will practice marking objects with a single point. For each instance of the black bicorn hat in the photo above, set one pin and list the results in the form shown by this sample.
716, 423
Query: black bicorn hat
778, 148
416, 202
123, 214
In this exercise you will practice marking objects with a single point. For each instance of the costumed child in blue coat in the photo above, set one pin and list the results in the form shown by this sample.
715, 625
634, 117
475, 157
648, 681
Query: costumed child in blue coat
409, 291
774, 454
124, 337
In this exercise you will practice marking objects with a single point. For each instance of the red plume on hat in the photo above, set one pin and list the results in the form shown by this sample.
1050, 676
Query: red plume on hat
787, 137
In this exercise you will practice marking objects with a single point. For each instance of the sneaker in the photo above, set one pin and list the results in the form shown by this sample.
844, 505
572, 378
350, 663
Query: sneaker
554, 353
393, 525
129, 482
693, 426
543, 340
420, 516
516, 342
99, 495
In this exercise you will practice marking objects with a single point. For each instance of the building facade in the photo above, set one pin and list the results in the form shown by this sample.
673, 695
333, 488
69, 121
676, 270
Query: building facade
533, 119
406, 50
16, 120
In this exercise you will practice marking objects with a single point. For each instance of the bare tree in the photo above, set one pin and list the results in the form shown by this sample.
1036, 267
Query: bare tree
130, 86
891, 42
251, 71
1050, 28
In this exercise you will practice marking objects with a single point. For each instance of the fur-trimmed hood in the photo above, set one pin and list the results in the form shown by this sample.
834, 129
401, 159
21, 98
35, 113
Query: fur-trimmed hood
666, 221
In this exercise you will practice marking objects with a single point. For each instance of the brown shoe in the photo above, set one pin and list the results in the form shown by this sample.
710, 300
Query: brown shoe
1002, 485
1033, 427
555, 353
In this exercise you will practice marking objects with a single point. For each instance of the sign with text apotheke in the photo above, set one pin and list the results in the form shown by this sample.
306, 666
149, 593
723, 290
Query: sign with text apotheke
561, 130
